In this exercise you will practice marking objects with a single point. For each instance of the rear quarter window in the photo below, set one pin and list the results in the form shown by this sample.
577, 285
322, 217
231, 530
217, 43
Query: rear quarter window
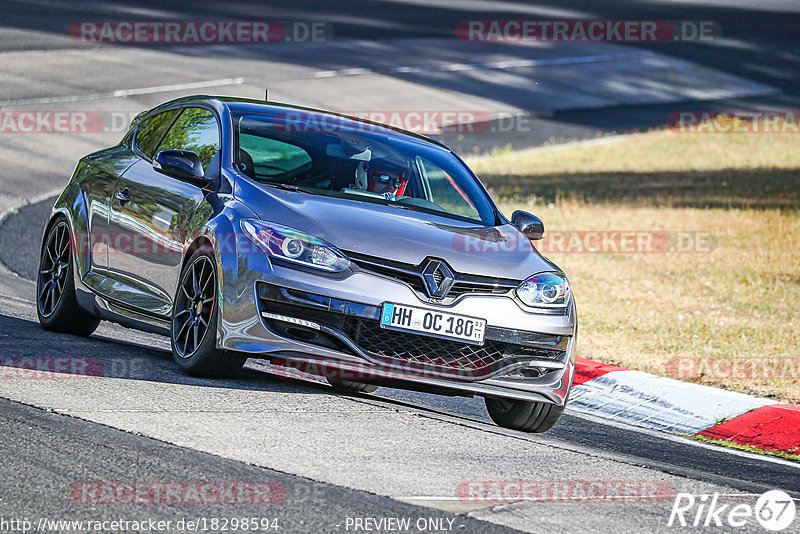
196, 130
150, 131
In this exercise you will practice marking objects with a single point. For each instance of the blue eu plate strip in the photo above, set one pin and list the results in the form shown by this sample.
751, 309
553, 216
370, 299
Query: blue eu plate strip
386, 316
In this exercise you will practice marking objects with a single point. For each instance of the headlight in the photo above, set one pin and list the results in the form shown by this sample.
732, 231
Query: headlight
545, 290
282, 242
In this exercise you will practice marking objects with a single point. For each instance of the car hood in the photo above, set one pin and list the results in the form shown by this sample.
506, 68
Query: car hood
399, 234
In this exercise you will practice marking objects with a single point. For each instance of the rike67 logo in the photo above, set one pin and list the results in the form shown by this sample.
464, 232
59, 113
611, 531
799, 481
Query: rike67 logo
774, 510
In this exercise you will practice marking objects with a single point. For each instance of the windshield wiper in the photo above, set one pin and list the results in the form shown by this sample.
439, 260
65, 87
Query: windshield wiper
290, 187
399, 206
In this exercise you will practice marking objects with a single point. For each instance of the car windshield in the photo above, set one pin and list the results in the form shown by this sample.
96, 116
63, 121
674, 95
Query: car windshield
321, 155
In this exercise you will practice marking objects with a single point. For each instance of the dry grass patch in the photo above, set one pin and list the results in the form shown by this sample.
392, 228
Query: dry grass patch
737, 304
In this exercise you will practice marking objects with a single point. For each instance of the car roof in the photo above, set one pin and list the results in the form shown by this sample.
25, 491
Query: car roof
246, 105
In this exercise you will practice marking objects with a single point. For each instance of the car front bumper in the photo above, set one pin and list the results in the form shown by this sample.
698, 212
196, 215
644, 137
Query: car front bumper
329, 324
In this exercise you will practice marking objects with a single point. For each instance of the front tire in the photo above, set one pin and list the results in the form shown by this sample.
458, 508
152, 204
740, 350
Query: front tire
193, 332
56, 305
527, 416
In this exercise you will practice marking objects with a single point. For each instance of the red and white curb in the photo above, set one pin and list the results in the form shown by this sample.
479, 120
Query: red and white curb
661, 403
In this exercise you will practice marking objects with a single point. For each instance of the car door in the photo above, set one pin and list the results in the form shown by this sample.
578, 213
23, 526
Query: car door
152, 214
100, 175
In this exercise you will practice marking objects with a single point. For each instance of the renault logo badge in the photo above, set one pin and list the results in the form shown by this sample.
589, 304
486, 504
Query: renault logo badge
438, 278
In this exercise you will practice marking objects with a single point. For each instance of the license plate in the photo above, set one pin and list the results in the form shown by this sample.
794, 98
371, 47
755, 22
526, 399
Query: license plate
433, 323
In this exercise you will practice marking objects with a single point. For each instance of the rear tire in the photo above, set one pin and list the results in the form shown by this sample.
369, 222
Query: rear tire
56, 305
527, 416
193, 332
348, 386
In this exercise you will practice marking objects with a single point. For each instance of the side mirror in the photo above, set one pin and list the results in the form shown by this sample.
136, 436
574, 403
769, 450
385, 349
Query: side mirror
183, 165
528, 224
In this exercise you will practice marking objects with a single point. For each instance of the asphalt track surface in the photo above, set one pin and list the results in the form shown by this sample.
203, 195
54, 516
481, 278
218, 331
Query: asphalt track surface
391, 454
759, 39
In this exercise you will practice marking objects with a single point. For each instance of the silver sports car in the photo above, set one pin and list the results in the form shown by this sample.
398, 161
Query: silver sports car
322, 243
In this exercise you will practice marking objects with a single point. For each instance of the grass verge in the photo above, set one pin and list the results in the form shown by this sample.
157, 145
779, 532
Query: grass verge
732, 445
724, 315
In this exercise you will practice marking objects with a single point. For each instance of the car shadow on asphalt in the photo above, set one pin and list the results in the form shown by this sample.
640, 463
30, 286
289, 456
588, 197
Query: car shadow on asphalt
29, 352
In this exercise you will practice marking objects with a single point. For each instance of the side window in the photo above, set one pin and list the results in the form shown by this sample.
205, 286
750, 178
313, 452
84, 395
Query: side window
149, 132
195, 130
271, 157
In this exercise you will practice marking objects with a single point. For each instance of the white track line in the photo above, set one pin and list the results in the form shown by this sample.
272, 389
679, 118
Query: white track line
122, 93
446, 67
496, 65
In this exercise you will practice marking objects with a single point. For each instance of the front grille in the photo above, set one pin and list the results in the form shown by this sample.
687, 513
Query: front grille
425, 352
412, 276
408, 351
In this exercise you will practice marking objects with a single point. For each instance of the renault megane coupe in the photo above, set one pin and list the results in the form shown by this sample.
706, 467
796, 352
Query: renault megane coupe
366, 254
